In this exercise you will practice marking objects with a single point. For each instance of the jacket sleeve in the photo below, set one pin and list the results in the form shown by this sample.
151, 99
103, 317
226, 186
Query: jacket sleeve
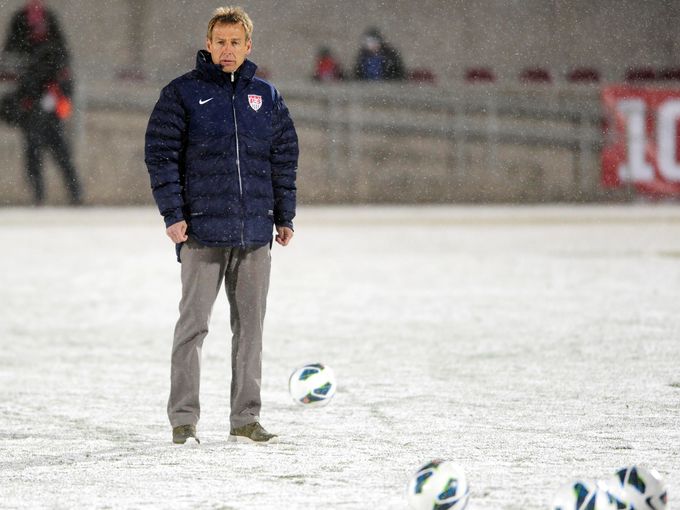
284, 162
163, 152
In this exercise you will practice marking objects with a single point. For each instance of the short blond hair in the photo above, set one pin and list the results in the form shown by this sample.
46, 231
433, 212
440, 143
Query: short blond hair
231, 16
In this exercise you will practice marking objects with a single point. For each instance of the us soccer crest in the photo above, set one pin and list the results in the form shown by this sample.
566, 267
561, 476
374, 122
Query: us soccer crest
255, 101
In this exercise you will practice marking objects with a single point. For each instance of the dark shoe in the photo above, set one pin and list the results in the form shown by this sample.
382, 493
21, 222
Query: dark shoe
183, 432
252, 433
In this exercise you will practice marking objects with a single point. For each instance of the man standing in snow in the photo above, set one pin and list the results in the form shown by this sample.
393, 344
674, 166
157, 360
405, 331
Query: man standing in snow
222, 152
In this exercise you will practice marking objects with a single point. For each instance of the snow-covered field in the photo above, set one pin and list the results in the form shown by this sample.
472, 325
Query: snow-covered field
528, 344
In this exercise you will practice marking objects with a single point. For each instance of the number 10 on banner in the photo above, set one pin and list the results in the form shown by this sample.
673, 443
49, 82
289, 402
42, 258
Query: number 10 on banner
641, 153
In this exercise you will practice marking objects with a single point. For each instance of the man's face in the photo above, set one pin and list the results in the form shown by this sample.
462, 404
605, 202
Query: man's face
372, 44
228, 47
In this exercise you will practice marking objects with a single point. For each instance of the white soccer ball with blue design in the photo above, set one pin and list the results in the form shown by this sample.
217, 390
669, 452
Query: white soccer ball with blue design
582, 494
638, 488
312, 385
440, 485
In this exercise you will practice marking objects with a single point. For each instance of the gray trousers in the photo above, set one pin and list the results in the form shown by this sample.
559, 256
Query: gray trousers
245, 273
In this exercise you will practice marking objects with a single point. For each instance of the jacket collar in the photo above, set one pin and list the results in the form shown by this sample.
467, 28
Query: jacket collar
213, 72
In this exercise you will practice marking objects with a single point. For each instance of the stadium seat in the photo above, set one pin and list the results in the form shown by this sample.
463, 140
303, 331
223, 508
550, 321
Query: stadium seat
640, 74
670, 74
263, 72
479, 75
130, 74
7, 76
583, 75
535, 75
422, 75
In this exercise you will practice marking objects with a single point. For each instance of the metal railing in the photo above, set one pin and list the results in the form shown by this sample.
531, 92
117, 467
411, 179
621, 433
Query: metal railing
546, 117
342, 116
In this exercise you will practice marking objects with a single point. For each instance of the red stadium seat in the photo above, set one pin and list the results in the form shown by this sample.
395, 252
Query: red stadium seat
670, 73
422, 75
640, 74
7, 76
130, 74
479, 75
583, 75
264, 73
535, 75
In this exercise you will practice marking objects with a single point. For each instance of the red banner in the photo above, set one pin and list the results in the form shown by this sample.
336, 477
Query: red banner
642, 138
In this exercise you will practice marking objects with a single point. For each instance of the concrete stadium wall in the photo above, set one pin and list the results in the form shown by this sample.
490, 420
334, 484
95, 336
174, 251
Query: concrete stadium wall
110, 161
445, 35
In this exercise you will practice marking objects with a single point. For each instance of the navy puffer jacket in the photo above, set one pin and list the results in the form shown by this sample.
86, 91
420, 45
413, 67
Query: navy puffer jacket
222, 158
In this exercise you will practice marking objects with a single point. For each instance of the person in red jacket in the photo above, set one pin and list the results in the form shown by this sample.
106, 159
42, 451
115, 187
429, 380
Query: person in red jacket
43, 95
327, 68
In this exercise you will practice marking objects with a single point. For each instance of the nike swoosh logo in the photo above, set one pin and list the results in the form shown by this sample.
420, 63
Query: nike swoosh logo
201, 101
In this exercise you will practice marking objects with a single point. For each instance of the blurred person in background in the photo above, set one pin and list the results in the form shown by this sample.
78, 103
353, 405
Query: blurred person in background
42, 100
377, 60
327, 67
222, 152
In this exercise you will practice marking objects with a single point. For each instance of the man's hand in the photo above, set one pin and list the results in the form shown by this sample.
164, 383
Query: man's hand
284, 235
177, 232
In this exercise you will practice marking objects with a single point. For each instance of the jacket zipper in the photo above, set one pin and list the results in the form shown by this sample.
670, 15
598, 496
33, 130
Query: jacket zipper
238, 157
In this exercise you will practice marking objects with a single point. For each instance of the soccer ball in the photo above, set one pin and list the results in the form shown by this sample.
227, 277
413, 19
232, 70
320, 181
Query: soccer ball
638, 488
312, 385
583, 494
440, 484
